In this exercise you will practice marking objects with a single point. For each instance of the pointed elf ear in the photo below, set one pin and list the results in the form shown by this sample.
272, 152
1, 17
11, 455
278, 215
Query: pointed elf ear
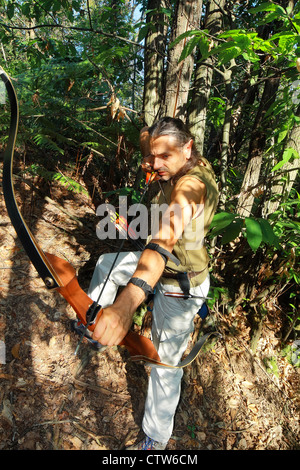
144, 141
187, 149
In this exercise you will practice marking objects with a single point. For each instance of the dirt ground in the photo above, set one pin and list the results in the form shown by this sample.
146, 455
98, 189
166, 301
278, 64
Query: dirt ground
51, 399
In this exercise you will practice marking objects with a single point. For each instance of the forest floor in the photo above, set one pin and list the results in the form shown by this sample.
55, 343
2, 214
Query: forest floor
51, 399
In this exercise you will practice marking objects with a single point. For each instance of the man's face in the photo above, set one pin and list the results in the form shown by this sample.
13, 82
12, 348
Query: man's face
166, 157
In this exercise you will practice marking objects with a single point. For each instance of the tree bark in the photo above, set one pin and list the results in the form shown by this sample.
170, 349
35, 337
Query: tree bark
259, 131
154, 61
203, 76
256, 149
281, 189
187, 17
227, 74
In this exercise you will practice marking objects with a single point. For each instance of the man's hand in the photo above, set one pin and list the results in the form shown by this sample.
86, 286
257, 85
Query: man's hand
115, 321
112, 326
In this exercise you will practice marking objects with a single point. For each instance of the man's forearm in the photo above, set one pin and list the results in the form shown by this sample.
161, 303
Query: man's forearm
150, 268
115, 320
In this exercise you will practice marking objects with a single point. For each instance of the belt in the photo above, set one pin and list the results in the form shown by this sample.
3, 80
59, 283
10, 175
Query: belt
174, 275
184, 279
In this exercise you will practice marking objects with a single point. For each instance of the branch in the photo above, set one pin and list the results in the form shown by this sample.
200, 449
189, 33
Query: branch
74, 28
89, 13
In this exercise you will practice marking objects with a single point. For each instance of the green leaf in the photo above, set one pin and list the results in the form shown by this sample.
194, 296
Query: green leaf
186, 34
71, 184
204, 46
253, 233
230, 54
268, 235
26, 9
251, 56
287, 155
143, 32
222, 219
272, 17
10, 10
188, 49
267, 6
282, 135
232, 231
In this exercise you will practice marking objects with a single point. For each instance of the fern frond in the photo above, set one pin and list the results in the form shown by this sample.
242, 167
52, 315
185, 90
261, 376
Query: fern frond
44, 141
65, 181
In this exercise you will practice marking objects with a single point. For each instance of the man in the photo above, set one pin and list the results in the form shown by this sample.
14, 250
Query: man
176, 260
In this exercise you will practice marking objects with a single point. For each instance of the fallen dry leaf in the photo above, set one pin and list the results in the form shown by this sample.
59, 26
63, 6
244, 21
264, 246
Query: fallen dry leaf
15, 350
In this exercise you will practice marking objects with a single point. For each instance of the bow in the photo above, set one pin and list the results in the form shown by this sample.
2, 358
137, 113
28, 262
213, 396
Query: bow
56, 272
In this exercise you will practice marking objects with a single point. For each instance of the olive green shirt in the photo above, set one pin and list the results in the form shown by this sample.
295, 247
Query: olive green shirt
190, 249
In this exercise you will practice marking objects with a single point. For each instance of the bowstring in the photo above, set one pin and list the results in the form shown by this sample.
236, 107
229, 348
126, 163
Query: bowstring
95, 305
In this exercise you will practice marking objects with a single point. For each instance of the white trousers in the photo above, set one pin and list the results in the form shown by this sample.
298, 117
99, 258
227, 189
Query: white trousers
172, 324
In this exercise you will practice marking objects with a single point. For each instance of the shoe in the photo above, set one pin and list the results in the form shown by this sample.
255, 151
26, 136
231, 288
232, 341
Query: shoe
79, 329
147, 444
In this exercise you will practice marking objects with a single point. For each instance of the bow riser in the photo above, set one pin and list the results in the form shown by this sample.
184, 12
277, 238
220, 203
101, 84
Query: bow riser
138, 346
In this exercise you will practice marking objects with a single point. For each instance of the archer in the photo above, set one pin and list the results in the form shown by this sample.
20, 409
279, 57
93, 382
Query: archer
165, 265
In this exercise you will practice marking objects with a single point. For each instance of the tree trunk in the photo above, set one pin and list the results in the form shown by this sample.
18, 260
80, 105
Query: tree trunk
280, 190
203, 76
187, 17
154, 61
259, 131
256, 150
227, 74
